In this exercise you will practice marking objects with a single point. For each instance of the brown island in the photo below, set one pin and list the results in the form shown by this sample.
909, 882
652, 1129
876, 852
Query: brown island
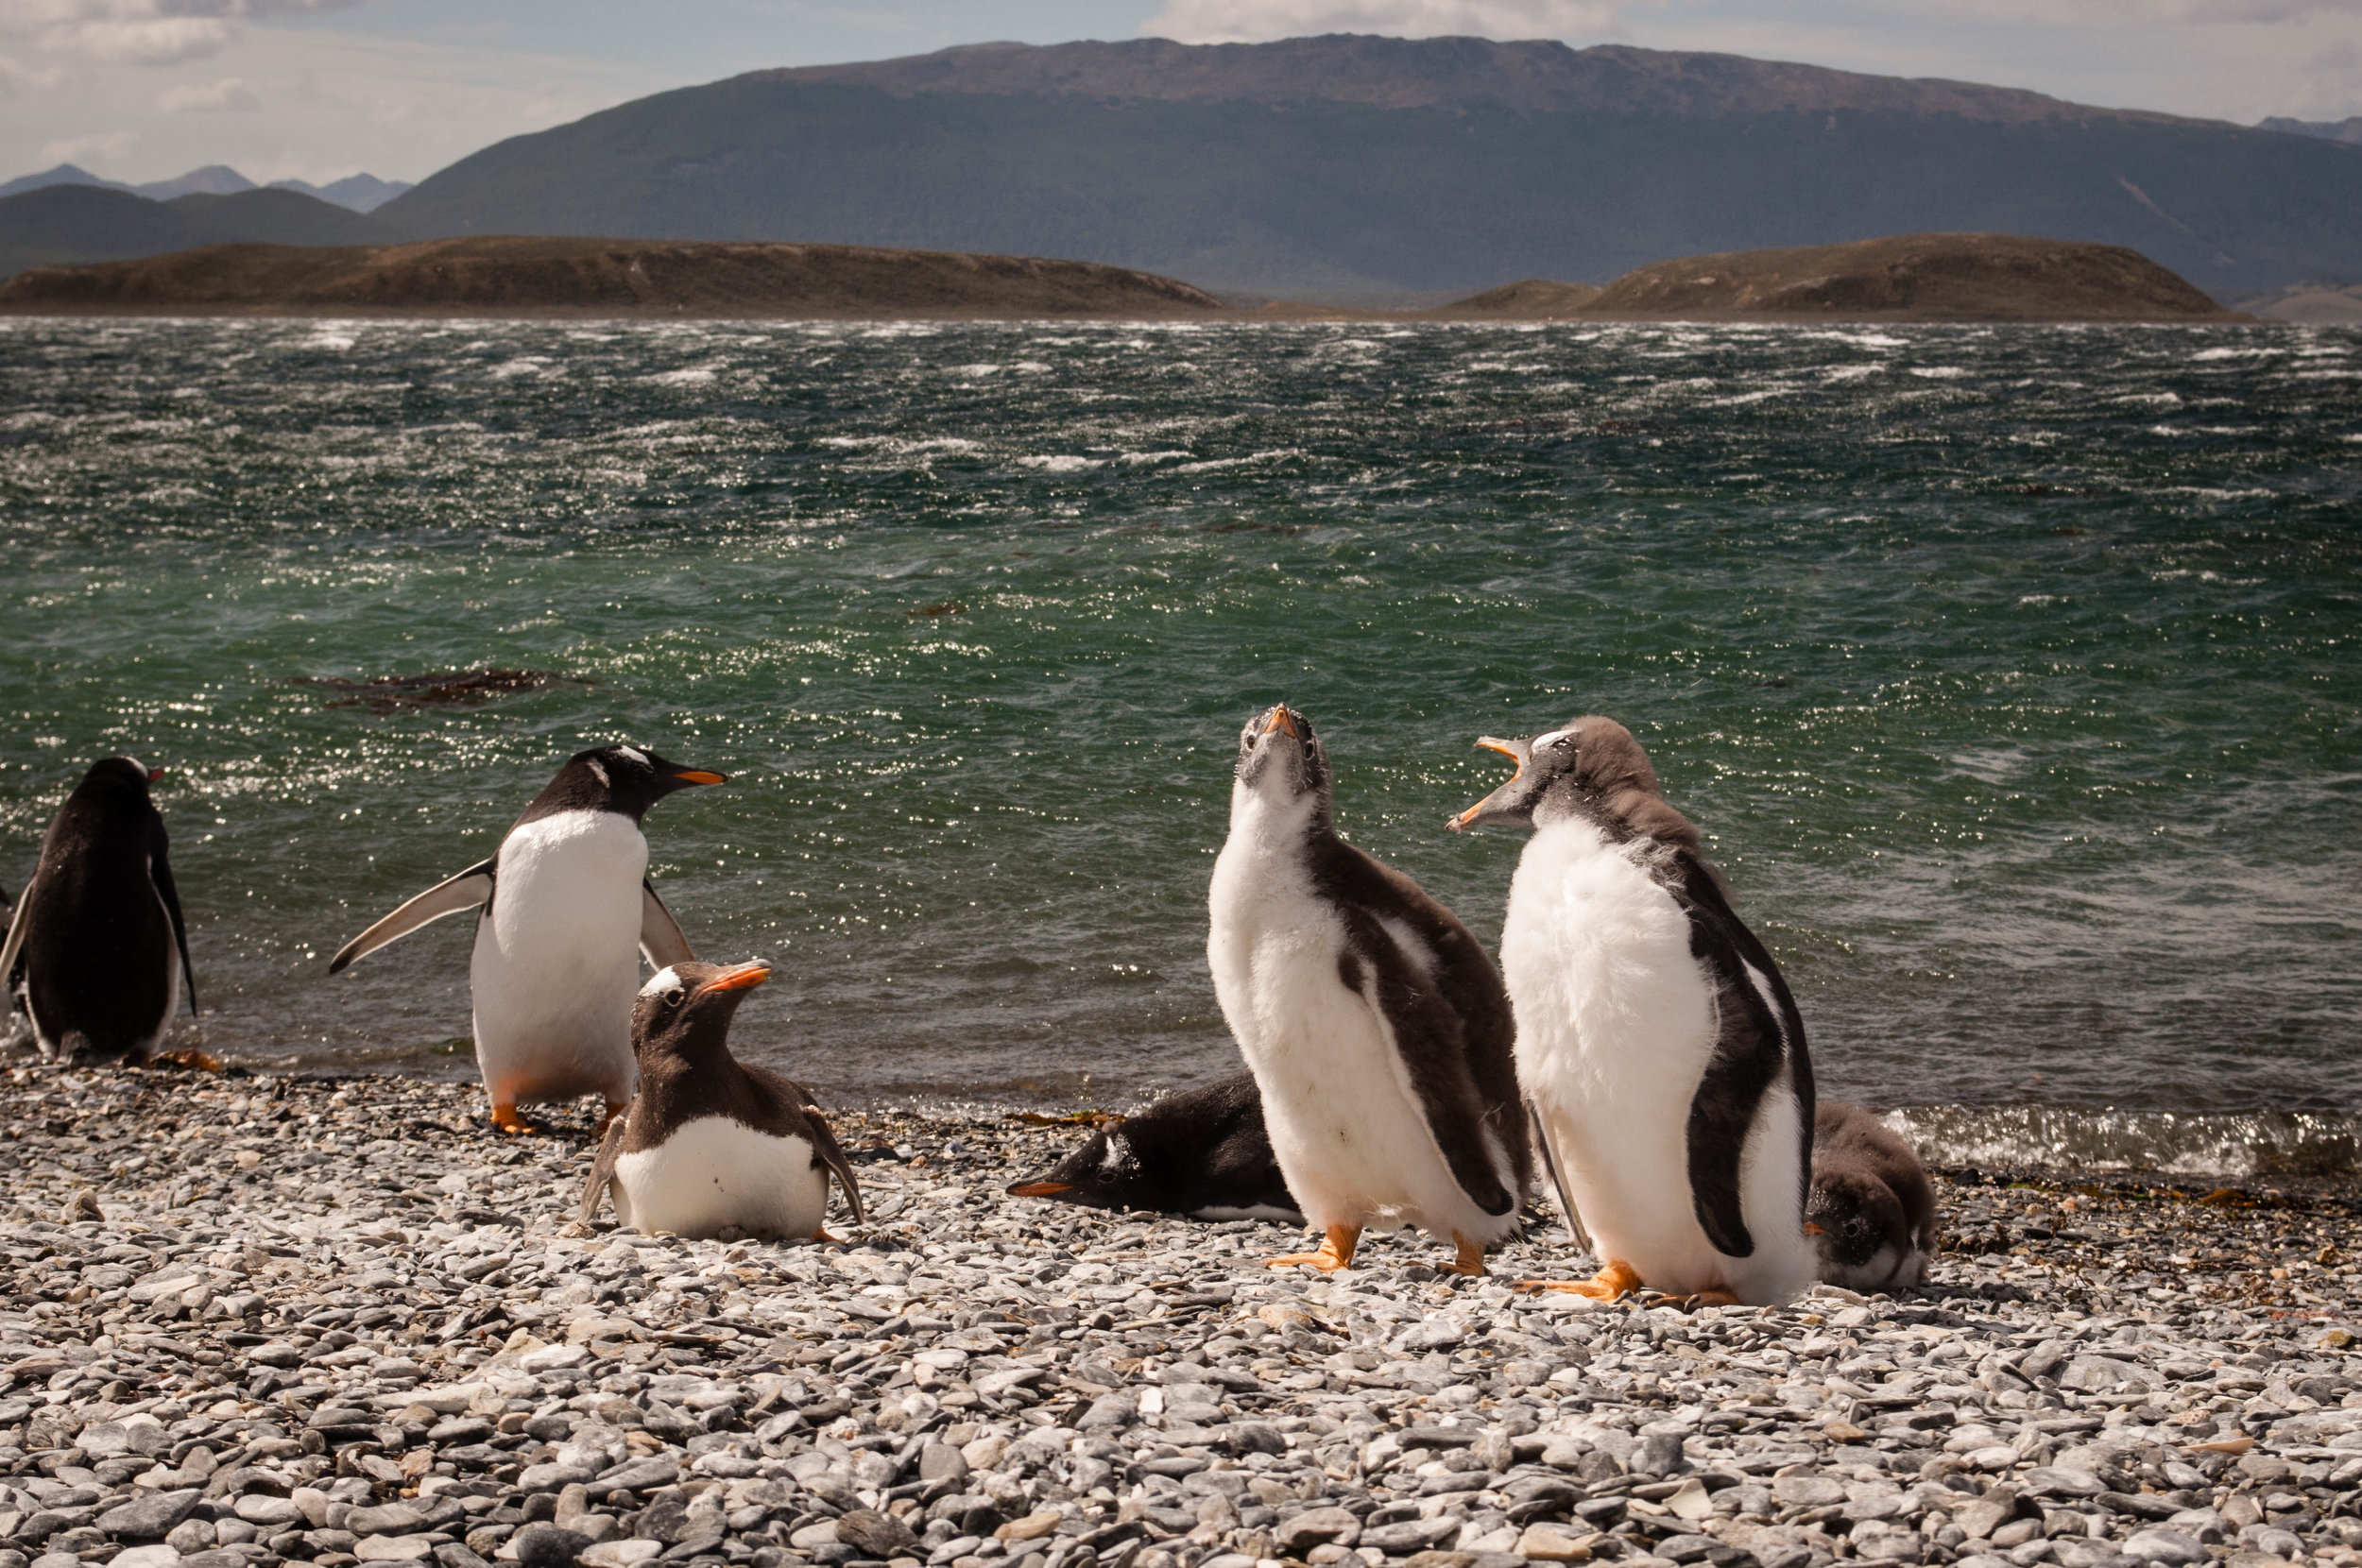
1908, 278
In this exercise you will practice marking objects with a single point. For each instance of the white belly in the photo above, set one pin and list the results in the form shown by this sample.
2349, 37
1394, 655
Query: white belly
1616, 1022
714, 1172
557, 963
1346, 1129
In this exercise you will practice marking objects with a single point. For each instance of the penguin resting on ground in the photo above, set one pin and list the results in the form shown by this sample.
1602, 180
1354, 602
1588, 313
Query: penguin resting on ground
710, 1142
98, 933
1375, 1027
1202, 1153
1872, 1216
566, 908
1664, 1056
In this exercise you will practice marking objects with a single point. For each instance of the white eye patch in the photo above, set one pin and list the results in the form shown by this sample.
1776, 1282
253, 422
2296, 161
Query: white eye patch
598, 773
1552, 739
663, 979
632, 754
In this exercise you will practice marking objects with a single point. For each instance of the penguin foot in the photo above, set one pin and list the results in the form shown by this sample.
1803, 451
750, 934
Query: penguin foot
1612, 1283
1471, 1258
193, 1059
823, 1236
1703, 1298
507, 1119
1336, 1252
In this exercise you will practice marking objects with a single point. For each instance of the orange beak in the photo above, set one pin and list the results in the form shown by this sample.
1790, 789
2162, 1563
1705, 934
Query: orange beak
1489, 742
1281, 719
701, 776
1041, 1190
744, 977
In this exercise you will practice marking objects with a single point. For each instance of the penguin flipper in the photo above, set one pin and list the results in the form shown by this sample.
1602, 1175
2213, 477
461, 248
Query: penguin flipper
1747, 1061
603, 1167
20, 921
160, 873
660, 937
832, 1155
1427, 1043
1558, 1178
469, 890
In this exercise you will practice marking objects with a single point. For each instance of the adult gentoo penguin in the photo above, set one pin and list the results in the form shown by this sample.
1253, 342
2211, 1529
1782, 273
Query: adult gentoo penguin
1664, 1056
1375, 1026
1202, 1153
710, 1142
567, 905
1872, 1216
99, 934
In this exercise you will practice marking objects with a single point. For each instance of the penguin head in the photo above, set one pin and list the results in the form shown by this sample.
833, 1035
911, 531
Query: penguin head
1589, 766
1104, 1173
625, 779
1281, 759
1851, 1215
688, 1006
118, 780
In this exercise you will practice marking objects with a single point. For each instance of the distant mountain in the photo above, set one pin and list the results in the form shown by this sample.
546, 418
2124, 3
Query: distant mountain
2348, 130
360, 193
363, 193
1368, 169
86, 223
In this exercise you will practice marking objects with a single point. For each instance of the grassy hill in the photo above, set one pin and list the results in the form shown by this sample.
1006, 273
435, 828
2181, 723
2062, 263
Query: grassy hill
1354, 169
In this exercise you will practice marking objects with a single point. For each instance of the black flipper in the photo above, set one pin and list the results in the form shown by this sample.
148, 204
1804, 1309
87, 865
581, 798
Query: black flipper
603, 1167
159, 872
661, 938
823, 1144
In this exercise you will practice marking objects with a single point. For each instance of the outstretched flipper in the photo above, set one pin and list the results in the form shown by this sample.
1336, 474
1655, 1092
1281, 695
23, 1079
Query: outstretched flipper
595, 1191
823, 1144
472, 889
660, 940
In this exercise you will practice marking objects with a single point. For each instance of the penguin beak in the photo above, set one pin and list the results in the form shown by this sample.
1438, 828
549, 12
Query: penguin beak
1281, 719
155, 776
1041, 1190
744, 977
699, 776
1519, 752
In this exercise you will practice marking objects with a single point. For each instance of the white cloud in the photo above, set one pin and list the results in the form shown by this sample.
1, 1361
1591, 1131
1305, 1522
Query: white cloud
227, 96
17, 76
1252, 21
142, 33
81, 149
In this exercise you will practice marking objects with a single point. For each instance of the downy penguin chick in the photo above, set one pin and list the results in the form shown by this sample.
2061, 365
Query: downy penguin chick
1375, 1027
710, 1142
98, 940
1202, 1153
1655, 1036
1873, 1214
565, 911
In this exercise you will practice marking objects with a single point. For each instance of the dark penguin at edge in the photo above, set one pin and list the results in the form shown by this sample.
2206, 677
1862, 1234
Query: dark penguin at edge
97, 946
1202, 1153
1872, 1216
709, 1141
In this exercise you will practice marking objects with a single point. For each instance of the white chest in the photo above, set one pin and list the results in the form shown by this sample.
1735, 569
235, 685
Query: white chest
714, 1172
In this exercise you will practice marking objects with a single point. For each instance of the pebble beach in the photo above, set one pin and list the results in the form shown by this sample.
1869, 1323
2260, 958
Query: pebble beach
255, 1319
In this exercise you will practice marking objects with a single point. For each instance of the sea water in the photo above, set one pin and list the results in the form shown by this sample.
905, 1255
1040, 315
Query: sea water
2010, 672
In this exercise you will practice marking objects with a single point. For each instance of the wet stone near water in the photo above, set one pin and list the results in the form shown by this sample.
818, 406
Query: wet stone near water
343, 1323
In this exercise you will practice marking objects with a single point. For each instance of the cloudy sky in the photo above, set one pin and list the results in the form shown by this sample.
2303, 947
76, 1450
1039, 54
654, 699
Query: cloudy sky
318, 89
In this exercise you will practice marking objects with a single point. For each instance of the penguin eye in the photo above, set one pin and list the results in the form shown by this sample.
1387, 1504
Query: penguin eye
673, 998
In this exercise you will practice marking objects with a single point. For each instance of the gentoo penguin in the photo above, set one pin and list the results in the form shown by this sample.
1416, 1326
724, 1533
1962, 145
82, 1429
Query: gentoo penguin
1664, 1056
1375, 1026
1872, 1214
98, 935
1202, 1153
710, 1142
566, 905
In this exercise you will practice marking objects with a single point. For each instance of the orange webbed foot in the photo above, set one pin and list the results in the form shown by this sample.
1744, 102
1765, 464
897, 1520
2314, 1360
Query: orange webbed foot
1612, 1283
1470, 1258
1335, 1252
823, 1236
507, 1119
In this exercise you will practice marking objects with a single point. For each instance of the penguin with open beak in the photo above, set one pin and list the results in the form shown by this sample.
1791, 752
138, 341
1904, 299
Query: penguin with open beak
710, 1142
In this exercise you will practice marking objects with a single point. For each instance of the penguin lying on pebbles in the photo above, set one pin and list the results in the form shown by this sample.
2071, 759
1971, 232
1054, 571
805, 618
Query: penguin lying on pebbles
1658, 1043
1202, 1153
708, 1142
566, 908
1873, 1214
98, 933
1375, 1025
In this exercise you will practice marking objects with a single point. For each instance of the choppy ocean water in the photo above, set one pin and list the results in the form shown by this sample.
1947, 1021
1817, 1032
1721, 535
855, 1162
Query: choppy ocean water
2011, 672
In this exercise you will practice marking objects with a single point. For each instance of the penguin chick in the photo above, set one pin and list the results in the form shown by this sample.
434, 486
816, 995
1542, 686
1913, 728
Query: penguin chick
1873, 1214
566, 912
710, 1142
1659, 1044
1202, 1153
97, 939
1375, 1025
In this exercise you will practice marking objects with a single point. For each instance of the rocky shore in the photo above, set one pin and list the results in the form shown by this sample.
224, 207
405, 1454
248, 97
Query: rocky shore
250, 1321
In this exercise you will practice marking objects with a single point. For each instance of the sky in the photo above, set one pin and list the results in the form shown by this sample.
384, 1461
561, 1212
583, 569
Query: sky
315, 90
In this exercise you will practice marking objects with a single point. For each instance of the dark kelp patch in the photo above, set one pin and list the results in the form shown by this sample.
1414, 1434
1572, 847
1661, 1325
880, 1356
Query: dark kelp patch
433, 688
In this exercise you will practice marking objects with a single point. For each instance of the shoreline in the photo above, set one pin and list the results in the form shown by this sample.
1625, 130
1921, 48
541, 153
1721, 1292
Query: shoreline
340, 1321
